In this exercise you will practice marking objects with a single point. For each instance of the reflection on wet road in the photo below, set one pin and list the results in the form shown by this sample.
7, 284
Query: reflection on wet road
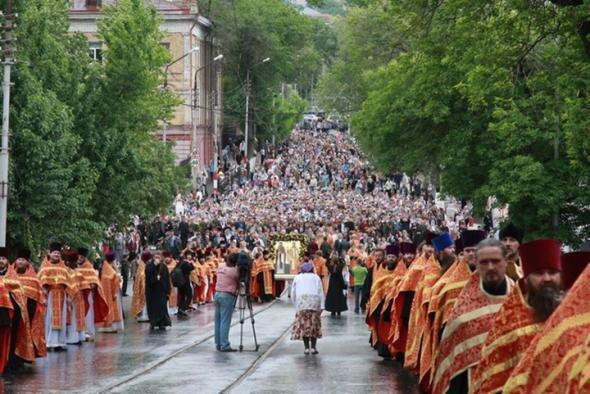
183, 359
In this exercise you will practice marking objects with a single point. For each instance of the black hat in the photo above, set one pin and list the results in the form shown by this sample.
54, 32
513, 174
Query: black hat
429, 236
146, 256
23, 253
4, 252
54, 246
510, 230
83, 252
470, 238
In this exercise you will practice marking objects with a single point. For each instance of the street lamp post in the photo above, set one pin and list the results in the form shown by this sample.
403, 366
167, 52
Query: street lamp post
248, 88
174, 62
197, 93
194, 49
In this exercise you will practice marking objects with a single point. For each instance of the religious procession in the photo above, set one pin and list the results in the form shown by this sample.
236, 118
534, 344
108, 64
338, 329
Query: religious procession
302, 196
172, 262
480, 314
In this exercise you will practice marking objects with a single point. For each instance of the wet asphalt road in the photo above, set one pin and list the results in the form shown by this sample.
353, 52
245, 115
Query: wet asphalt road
183, 359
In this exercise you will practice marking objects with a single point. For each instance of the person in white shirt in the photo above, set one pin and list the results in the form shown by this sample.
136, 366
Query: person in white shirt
308, 297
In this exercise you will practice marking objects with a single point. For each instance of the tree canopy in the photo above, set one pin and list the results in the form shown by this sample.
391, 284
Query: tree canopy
249, 31
489, 97
82, 151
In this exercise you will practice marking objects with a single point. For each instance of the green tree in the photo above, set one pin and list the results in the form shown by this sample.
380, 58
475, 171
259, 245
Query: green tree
250, 31
124, 107
490, 97
83, 154
368, 38
51, 184
287, 112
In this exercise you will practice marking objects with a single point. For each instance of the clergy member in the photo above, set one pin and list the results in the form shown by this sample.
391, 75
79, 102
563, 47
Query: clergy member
471, 319
96, 305
55, 279
512, 236
138, 304
557, 359
157, 291
522, 315
111, 285
23, 272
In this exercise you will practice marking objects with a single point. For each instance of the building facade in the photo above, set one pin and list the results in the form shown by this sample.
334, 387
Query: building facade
195, 128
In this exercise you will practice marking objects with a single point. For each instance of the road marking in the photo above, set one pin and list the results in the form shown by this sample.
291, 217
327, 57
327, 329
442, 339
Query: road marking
164, 359
257, 362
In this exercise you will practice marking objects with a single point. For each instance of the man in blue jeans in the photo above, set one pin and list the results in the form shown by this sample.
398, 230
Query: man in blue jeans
226, 289
359, 273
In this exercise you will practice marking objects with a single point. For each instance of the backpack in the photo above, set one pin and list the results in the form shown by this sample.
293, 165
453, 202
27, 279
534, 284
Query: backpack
177, 277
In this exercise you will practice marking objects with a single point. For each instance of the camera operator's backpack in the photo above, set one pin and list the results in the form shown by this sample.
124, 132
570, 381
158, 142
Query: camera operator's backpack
177, 277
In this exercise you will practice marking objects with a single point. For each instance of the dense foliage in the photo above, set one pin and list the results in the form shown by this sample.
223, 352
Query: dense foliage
489, 97
82, 151
252, 30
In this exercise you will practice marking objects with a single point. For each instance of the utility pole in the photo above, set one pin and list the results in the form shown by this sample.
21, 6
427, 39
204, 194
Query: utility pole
248, 92
247, 111
8, 61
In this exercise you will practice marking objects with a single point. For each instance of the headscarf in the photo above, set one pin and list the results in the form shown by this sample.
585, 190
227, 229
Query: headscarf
306, 268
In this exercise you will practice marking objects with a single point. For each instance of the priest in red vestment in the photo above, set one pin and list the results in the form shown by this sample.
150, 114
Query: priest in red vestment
556, 359
23, 271
522, 315
471, 319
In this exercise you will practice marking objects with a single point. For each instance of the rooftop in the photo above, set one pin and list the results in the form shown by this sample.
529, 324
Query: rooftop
179, 6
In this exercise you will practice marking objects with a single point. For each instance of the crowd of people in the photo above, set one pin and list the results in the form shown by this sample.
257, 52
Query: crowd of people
483, 315
439, 295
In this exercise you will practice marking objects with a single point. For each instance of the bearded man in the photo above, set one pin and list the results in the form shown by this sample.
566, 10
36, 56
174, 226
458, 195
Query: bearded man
96, 304
110, 281
469, 241
56, 282
511, 236
23, 271
522, 315
471, 319
556, 361
14, 322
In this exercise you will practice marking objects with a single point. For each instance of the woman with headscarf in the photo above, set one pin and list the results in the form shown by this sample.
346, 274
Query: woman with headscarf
308, 296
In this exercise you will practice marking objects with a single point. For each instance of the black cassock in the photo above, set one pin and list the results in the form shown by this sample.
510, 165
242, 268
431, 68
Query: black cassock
335, 299
157, 290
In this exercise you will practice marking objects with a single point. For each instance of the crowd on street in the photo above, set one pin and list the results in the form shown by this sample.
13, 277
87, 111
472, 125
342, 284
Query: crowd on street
440, 295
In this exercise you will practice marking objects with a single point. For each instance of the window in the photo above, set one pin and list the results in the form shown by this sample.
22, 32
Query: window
96, 51
93, 3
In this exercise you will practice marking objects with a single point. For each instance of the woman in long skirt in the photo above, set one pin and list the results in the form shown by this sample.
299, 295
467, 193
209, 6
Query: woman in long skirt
308, 296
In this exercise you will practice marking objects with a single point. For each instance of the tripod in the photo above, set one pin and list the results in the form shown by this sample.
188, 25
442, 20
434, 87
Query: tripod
244, 301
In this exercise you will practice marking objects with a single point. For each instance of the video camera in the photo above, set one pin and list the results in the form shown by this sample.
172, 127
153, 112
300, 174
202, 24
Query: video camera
244, 264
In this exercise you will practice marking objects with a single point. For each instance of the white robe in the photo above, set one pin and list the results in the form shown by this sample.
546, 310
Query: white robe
120, 325
143, 316
55, 338
172, 310
90, 326
73, 334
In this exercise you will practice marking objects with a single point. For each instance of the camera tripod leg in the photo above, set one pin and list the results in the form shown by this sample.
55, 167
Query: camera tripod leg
249, 300
242, 318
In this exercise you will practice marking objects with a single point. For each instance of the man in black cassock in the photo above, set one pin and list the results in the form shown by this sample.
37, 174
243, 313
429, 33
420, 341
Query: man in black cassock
157, 290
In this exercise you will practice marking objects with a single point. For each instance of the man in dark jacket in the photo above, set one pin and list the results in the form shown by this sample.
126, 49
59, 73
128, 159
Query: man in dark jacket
183, 230
157, 290
185, 291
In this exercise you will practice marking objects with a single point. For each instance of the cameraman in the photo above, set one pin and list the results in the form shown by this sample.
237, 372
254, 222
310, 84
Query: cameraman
226, 290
